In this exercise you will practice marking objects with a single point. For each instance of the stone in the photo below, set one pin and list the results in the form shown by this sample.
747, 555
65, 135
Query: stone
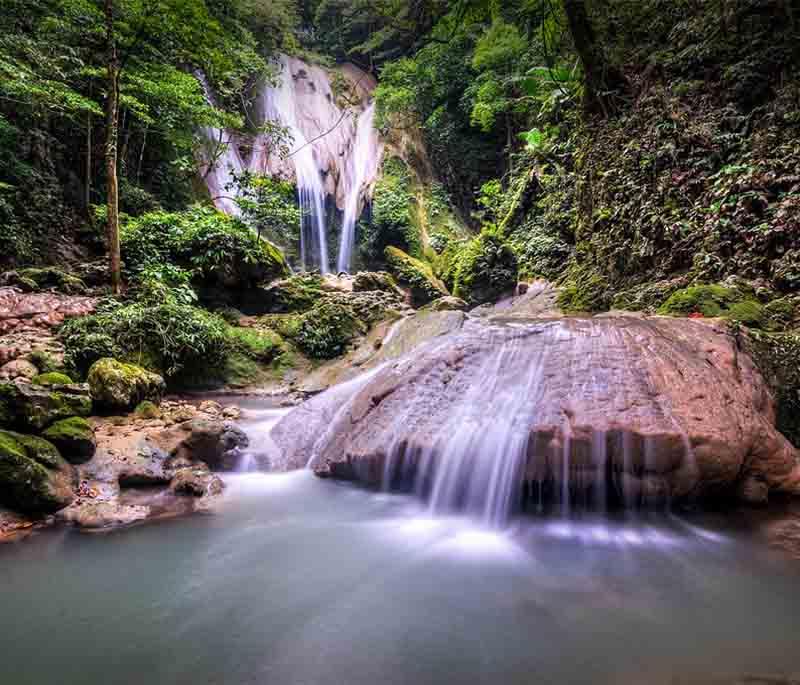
196, 481
447, 304
415, 275
74, 438
43, 311
116, 385
210, 407
19, 368
51, 379
368, 281
217, 443
33, 475
674, 407
29, 407
147, 410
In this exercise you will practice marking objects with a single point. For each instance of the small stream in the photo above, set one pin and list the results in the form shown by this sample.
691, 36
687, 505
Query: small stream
302, 581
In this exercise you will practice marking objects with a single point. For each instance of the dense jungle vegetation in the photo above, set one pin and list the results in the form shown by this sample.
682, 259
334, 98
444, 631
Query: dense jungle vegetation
643, 155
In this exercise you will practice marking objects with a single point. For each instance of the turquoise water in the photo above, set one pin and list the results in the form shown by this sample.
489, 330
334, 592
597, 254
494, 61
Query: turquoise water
302, 581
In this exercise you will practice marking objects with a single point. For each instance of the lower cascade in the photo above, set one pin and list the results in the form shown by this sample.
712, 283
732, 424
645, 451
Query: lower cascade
567, 412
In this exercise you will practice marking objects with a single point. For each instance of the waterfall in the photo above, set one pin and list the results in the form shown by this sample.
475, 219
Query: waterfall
334, 151
280, 105
220, 159
364, 163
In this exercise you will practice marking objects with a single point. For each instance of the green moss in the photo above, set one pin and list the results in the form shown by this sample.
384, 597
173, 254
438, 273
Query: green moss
296, 294
777, 355
483, 269
585, 293
116, 385
416, 275
52, 378
326, 331
708, 300
44, 361
259, 345
33, 476
748, 312
147, 410
74, 438
50, 278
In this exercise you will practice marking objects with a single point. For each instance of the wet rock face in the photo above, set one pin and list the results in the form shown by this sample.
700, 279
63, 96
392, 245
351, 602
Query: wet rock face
649, 408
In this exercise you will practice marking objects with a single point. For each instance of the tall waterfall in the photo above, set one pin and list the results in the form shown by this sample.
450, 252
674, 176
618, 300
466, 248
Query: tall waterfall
220, 159
280, 105
363, 167
334, 152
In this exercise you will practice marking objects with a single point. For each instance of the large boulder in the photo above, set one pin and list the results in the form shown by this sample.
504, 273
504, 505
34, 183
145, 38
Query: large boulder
483, 269
415, 275
29, 407
74, 438
33, 476
118, 386
642, 409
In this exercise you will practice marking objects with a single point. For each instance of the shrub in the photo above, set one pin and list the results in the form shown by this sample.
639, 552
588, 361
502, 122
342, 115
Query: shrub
213, 246
166, 337
482, 269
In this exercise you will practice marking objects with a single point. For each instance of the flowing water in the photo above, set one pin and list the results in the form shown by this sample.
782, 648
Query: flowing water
362, 169
220, 160
280, 105
305, 581
298, 580
333, 154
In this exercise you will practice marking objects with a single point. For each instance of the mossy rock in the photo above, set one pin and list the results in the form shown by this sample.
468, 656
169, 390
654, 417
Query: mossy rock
260, 345
147, 410
716, 301
296, 294
116, 385
34, 478
368, 281
484, 269
28, 407
52, 378
446, 304
584, 292
416, 275
326, 331
777, 356
74, 439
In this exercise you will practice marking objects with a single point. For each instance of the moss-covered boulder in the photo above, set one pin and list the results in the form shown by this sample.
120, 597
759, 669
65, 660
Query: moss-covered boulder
296, 294
415, 275
29, 407
34, 478
325, 331
115, 385
483, 269
74, 438
52, 378
716, 300
369, 281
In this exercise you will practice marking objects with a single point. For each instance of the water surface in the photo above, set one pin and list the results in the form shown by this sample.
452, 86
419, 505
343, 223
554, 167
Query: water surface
303, 581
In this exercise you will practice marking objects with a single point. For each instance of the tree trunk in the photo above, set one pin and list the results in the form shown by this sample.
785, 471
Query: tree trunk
112, 137
600, 76
87, 199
